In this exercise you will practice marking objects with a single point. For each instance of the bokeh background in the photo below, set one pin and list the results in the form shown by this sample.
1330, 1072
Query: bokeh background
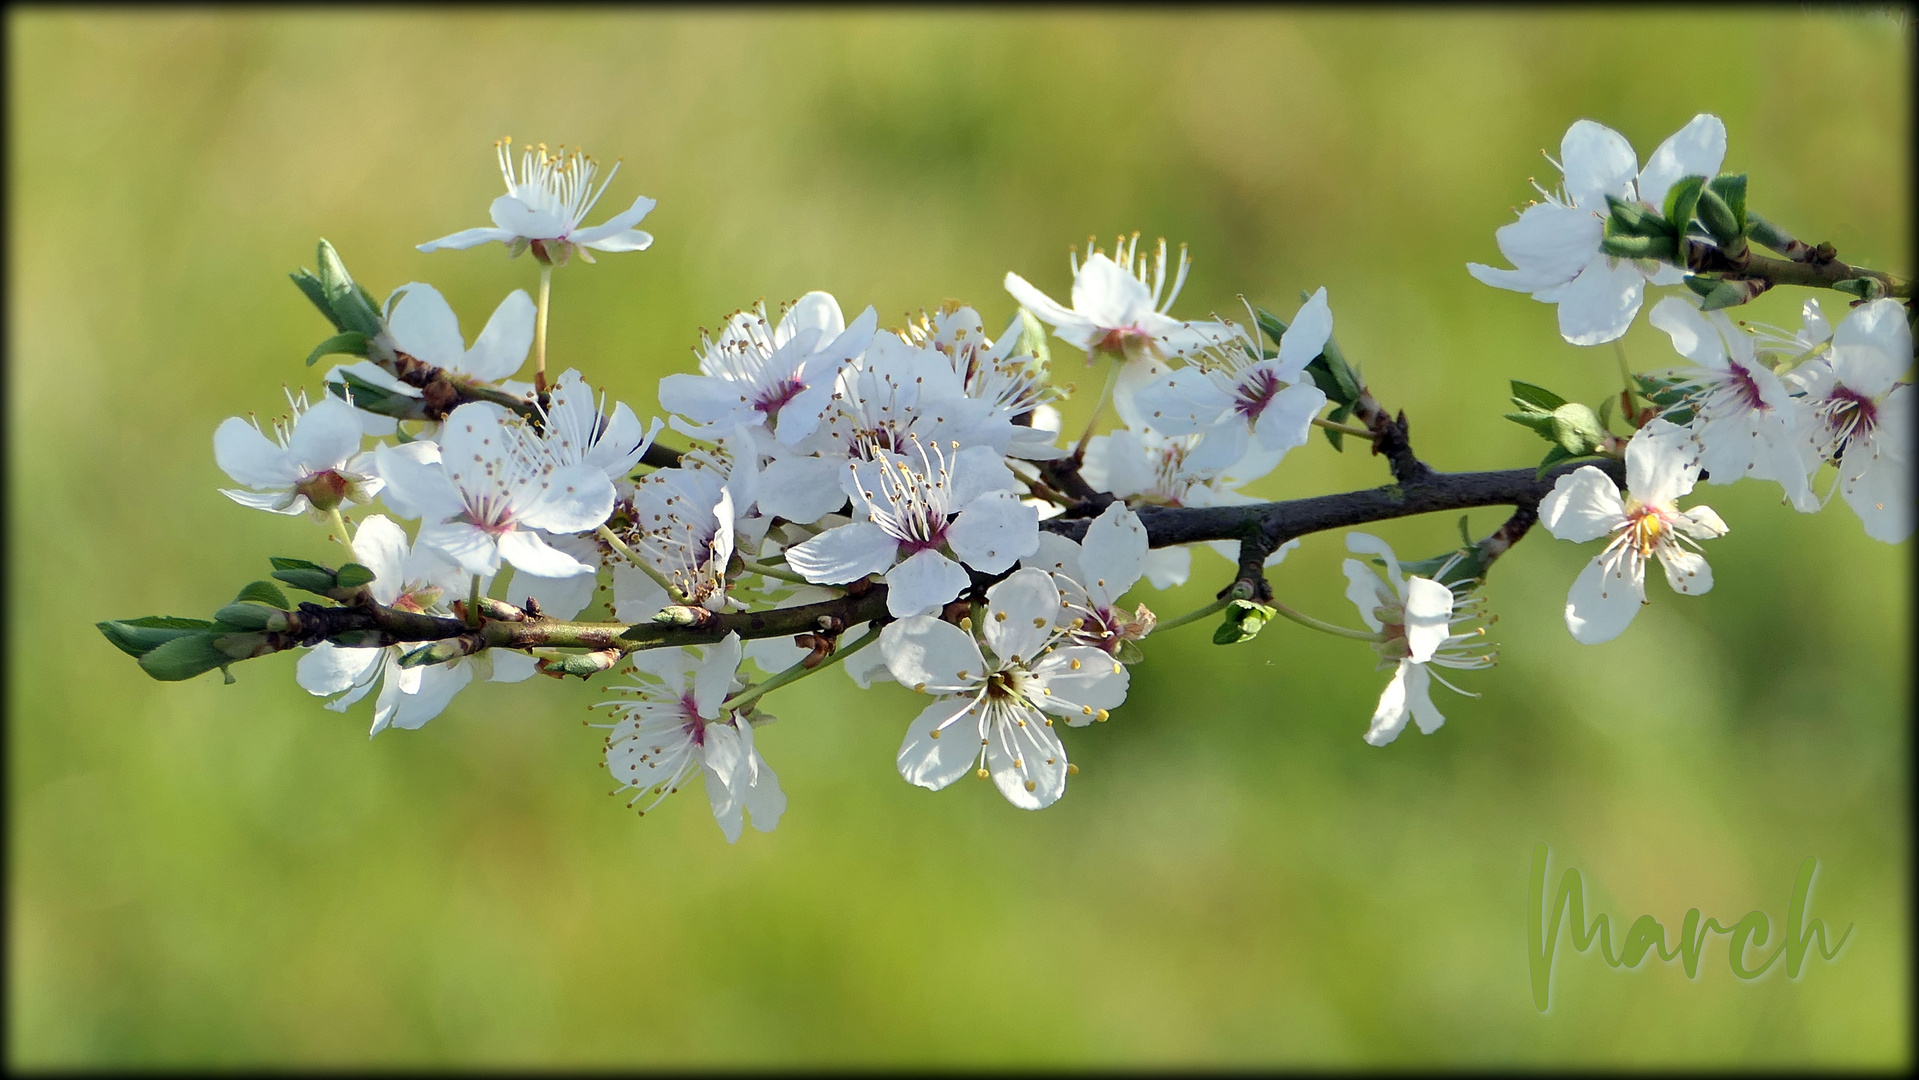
204, 873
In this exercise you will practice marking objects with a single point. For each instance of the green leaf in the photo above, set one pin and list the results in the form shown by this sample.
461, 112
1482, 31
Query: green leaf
1682, 200
247, 617
1528, 396
1864, 288
1129, 652
1337, 438
1465, 530
1605, 412
137, 637
1725, 294
1577, 428
316, 292
377, 399
1540, 423
1632, 219
304, 575
263, 592
1661, 248
353, 575
184, 657
1558, 456
1244, 620
1730, 188
352, 307
350, 343
1721, 223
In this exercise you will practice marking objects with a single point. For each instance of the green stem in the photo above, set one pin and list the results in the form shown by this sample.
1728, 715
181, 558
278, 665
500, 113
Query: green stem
672, 592
338, 521
797, 672
1344, 429
539, 329
1105, 395
1322, 627
774, 572
1213, 608
473, 603
1625, 374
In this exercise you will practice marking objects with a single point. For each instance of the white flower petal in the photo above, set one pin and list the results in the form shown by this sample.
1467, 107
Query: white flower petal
1598, 162
922, 651
995, 531
1081, 680
251, 458
324, 438
1110, 555
1601, 605
925, 582
1306, 338
1697, 149
844, 554
1583, 505
527, 551
469, 545
467, 238
1662, 463
502, 347
715, 675
1686, 571
1598, 306
1020, 612
438, 684
1025, 758
1429, 612
941, 744
1366, 590
1389, 718
328, 669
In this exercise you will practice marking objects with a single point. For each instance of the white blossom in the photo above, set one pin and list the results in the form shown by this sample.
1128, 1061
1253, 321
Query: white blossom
1147, 468
313, 462
993, 713
491, 490
1093, 574
1585, 504
1555, 245
1862, 415
674, 723
545, 204
1012, 383
781, 378
1745, 420
409, 579
1232, 397
918, 505
1414, 618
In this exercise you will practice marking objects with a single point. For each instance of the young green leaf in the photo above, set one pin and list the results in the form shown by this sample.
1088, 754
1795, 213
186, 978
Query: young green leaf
137, 637
263, 592
1528, 396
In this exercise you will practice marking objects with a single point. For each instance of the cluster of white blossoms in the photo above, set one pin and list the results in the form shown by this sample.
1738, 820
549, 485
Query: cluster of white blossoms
832, 456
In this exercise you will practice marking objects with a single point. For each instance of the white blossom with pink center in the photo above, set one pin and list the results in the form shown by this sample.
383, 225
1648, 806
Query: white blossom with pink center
1585, 504
674, 722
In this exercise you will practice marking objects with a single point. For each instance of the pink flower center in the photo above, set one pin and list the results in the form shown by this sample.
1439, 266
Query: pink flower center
693, 724
773, 398
1254, 394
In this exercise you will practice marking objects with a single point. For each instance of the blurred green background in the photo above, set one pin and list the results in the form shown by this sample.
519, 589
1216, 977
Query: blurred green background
230, 874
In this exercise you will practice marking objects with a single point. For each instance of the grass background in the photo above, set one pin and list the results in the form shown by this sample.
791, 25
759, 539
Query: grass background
230, 874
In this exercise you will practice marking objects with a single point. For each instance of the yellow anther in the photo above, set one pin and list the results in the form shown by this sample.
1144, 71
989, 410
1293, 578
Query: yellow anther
982, 774
1031, 786
999, 616
1072, 769
1103, 714
1076, 665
